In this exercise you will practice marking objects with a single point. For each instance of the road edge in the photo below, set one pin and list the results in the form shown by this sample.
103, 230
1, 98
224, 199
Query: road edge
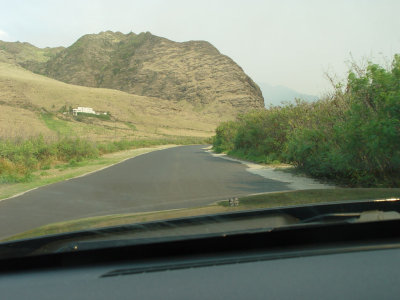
161, 147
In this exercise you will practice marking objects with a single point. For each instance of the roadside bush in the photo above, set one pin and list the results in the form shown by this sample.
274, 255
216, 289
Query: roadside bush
225, 136
352, 136
18, 159
372, 130
77, 149
11, 172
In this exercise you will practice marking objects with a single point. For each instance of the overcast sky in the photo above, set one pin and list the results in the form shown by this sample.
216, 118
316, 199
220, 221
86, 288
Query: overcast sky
290, 43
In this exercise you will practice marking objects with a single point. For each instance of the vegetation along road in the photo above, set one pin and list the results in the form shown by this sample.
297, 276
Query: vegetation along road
178, 177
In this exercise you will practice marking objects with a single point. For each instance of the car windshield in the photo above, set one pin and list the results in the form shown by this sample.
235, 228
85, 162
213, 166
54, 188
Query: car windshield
185, 112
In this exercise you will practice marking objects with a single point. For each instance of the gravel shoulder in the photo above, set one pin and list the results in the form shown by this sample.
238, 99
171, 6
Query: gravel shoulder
293, 181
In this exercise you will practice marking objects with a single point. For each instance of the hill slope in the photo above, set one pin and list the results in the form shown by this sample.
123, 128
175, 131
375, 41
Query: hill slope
148, 65
25, 53
32, 104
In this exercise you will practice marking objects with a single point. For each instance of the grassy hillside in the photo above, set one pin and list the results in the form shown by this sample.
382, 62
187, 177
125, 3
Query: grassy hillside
31, 104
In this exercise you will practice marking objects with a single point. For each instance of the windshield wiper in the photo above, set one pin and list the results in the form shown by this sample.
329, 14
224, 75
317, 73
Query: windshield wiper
365, 216
334, 217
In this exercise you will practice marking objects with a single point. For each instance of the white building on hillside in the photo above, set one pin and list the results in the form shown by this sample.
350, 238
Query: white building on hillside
86, 110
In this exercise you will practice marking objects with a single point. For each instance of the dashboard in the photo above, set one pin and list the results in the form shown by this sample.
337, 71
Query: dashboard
351, 275
336, 256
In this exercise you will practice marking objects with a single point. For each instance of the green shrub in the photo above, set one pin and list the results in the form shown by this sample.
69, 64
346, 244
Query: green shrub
225, 136
68, 149
81, 116
352, 137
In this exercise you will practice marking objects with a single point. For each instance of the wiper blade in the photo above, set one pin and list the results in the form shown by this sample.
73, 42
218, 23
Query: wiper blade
365, 216
332, 217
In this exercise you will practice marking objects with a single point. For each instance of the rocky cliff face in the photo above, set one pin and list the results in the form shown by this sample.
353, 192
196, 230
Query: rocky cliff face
148, 65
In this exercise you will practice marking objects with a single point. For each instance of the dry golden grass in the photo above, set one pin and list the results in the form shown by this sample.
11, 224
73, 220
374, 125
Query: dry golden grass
17, 122
24, 95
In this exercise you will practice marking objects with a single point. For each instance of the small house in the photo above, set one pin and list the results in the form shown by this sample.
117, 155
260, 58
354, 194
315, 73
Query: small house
80, 109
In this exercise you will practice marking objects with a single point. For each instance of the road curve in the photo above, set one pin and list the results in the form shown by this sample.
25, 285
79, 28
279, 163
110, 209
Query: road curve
179, 177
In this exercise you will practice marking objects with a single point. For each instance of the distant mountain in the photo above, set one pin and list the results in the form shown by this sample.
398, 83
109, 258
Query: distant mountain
147, 65
21, 53
275, 95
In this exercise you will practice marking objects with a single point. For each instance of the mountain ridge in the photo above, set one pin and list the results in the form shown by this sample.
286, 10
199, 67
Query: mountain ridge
148, 65
24, 52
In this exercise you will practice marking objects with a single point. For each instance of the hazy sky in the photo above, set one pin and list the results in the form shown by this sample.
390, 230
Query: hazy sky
290, 43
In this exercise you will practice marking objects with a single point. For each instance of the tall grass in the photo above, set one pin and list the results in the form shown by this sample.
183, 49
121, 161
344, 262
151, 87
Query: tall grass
353, 136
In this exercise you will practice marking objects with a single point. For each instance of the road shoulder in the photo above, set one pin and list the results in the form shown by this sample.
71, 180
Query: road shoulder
64, 172
294, 181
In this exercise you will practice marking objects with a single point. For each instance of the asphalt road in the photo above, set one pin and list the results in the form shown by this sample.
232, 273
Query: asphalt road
178, 177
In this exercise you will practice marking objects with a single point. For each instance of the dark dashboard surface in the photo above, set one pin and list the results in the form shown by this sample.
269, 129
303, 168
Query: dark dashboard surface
353, 253
351, 275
